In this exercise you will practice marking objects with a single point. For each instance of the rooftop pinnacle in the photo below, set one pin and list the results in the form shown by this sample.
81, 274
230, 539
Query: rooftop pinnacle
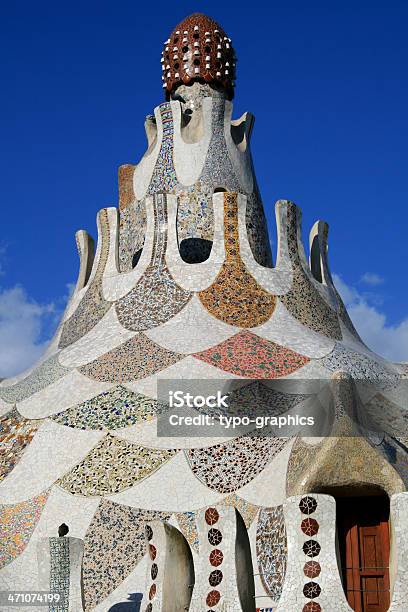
198, 50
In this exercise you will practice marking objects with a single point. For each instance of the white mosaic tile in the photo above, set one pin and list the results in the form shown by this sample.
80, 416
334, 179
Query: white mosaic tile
187, 369
72, 389
312, 571
399, 526
189, 158
105, 336
116, 285
129, 593
183, 335
274, 492
201, 275
287, 331
159, 490
44, 461
144, 170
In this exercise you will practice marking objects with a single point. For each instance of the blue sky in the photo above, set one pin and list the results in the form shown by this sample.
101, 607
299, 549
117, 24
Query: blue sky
325, 80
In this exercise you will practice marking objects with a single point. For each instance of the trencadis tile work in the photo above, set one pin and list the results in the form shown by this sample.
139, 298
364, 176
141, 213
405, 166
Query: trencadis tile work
183, 287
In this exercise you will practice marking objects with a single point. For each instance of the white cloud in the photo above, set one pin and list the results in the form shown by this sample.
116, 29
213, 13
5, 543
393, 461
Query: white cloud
388, 340
369, 278
70, 287
23, 324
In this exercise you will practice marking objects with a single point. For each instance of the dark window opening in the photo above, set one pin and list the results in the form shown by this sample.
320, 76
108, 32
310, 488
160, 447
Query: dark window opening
315, 260
136, 257
195, 250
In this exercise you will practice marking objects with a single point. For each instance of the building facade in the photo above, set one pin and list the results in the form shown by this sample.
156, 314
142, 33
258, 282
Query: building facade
182, 290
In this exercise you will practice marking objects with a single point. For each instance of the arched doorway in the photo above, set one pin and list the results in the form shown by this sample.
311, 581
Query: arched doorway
363, 534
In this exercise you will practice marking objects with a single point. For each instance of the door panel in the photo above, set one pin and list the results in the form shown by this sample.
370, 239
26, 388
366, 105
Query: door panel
364, 545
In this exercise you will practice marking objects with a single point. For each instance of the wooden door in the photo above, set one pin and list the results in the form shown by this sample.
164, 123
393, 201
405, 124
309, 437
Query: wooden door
364, 551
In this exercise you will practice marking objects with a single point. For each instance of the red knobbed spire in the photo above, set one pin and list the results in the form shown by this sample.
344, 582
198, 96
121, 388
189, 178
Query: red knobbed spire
198, 50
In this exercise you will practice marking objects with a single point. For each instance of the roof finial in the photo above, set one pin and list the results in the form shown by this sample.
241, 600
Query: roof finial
198, 50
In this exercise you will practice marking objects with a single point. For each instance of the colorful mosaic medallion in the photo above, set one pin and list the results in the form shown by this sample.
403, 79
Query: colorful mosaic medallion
43, 375
17, 523
228, 467
271, 550
235, 297
136, 358
114, 545
250, 356
112, 409
113, 465
16, 433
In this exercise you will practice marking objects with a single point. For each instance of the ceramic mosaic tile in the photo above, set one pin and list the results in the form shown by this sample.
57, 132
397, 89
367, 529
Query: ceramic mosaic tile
114, 545
93, 305
302, 455
137, 358
220, 528
195, 215
228, 467
396, 453
112, 409
188, 527
250, 356
17, 523
164, 177
113, 465
361, 367
257, 399
59, 572
43, 375
156, 298
257, 229
398, 517
132, 231
247, 510
271, 550
344, 316
312, 575
235, 297
388, 417
16, 433
219, 172
303, 300
125, 182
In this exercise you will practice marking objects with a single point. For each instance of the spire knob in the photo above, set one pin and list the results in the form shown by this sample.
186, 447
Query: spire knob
198, 50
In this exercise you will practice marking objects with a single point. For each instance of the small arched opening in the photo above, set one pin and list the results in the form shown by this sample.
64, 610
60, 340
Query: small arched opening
136, 257
195, 250
220, 190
